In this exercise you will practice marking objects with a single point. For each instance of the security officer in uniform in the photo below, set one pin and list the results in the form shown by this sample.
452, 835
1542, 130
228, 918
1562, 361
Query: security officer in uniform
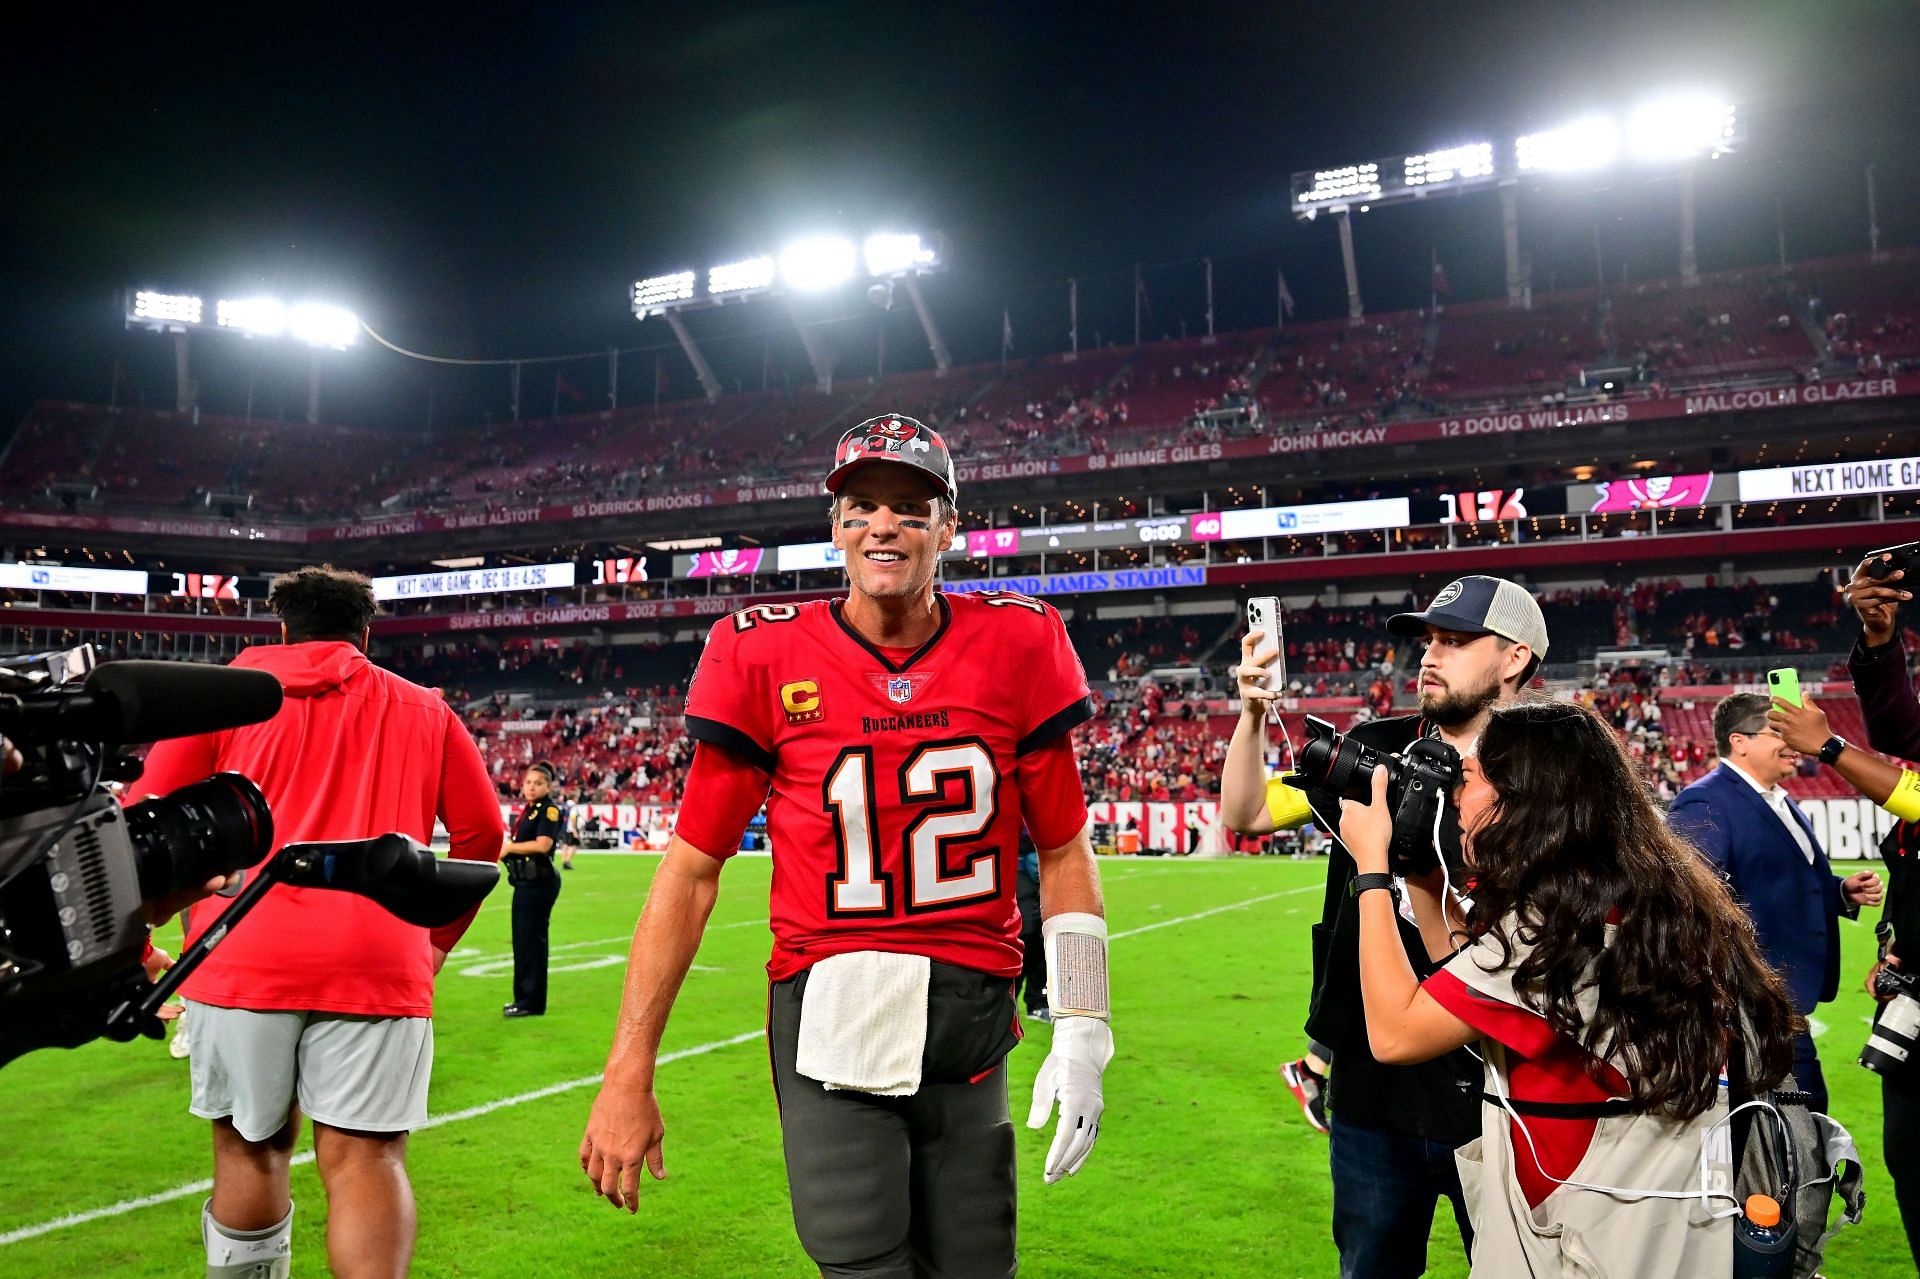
528, 857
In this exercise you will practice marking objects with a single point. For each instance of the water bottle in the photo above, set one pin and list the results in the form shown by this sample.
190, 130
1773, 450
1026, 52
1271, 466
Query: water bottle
1763, 1246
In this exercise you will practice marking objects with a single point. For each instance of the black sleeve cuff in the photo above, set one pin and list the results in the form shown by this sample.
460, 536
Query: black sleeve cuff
1069, 717
1865, 654
726, 736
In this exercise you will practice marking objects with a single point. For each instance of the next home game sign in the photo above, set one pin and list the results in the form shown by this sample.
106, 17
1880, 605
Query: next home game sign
475, 581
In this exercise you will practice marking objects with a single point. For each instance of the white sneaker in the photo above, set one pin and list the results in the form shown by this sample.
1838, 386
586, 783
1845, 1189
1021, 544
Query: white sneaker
178, 1047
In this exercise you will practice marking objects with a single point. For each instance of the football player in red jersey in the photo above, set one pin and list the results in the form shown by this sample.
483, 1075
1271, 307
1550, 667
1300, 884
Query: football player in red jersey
900, 738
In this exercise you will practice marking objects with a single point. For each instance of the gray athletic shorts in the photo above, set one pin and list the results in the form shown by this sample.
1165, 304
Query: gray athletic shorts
363, 1074
918, 1187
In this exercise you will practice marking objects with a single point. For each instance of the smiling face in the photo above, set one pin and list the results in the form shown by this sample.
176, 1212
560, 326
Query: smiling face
892, 529
1763, 753
1463, 673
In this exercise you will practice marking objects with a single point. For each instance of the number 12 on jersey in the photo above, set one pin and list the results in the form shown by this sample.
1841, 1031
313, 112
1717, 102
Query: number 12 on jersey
859, 887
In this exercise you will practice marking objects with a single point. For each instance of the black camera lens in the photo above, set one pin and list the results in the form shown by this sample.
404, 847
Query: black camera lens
1339, 764
198, 832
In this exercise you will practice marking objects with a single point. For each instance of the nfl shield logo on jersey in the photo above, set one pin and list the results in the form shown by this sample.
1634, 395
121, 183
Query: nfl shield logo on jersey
900, 689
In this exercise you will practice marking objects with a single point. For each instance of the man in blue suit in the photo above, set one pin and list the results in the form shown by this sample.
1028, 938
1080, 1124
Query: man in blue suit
1739, 816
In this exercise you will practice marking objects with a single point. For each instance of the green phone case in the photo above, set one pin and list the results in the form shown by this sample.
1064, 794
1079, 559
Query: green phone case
1785, 685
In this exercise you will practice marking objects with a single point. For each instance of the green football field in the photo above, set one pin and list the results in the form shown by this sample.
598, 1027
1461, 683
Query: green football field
1204, 1166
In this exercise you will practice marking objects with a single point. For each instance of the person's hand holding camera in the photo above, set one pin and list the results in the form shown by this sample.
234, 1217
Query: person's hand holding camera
1877, 600
1251, 677
1367, 829
1873, 977
1802, 727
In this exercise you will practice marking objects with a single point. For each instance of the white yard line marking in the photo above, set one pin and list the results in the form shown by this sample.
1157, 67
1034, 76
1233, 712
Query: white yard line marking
552, 1090
306, 1157
1187, 919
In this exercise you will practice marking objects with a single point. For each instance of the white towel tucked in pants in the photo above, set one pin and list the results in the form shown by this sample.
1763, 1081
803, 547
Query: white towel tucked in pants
863, 1022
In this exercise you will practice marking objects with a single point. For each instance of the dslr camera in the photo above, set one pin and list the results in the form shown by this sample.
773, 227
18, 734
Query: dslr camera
1420, 783
1895, 1036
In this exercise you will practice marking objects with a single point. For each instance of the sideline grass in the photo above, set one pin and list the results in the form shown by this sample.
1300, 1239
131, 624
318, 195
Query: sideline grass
1204, 1165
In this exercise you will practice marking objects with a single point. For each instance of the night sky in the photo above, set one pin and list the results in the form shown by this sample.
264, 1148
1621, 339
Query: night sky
487, 181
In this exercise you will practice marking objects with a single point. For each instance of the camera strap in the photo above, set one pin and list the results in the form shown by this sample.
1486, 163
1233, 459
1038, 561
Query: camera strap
1613, 1109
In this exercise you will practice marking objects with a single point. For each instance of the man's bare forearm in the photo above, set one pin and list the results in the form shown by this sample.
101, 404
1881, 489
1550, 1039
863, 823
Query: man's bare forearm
664, 944
1070, 879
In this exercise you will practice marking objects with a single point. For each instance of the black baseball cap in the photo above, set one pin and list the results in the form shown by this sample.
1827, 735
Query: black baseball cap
1480, 605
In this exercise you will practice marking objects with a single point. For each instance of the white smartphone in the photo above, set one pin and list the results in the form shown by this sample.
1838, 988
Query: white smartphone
1263, 615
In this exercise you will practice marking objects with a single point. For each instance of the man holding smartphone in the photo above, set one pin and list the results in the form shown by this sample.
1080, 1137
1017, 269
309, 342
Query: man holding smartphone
1393, 1129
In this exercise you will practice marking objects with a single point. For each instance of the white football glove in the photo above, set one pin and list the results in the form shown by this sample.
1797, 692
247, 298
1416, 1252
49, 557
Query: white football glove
1072, 1074
1082, 1040
1082, 1047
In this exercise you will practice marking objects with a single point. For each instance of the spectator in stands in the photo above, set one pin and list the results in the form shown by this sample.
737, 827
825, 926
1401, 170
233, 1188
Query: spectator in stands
1885, 685
1751, 830
1394, 1127
1581, 901
324, 1002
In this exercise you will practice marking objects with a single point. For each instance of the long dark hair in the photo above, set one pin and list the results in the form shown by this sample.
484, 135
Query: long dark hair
1573, 836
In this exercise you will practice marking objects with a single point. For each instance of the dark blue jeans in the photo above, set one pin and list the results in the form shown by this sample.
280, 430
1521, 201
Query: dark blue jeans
1384, 1188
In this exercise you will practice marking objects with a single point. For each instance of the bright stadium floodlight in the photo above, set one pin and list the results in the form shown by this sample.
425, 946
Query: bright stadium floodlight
899, 254
816, 263
166, 308
318, 324
255, 317
1353, 182
739, 277
654, 294
1681, 126
1592, 142
1473, 160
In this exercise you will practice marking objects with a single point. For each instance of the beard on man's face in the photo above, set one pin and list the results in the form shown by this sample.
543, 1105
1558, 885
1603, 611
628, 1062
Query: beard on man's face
1454, 705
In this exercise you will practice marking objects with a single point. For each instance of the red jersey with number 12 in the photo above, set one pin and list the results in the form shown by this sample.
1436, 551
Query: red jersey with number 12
894, 814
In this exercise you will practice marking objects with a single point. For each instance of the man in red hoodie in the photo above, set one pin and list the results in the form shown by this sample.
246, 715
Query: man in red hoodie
322, 1001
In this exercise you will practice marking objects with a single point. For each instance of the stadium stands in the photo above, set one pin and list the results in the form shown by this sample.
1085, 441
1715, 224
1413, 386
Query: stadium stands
1332, 366
1869, 310
1735, 322
1728, 327
1491, 350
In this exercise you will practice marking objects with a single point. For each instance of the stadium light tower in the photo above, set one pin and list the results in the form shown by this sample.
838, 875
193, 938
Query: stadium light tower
319, 325
811, 265
1673, 132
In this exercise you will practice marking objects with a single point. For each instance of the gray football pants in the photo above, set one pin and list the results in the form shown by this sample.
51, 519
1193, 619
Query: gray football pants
917, 1187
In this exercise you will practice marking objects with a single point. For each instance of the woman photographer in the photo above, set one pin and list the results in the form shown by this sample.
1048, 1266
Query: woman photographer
1601, 971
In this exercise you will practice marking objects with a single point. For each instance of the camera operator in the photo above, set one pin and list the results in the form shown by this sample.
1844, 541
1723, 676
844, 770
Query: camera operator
1603, 1054
323, 1002
1884, 684
1393, 1127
